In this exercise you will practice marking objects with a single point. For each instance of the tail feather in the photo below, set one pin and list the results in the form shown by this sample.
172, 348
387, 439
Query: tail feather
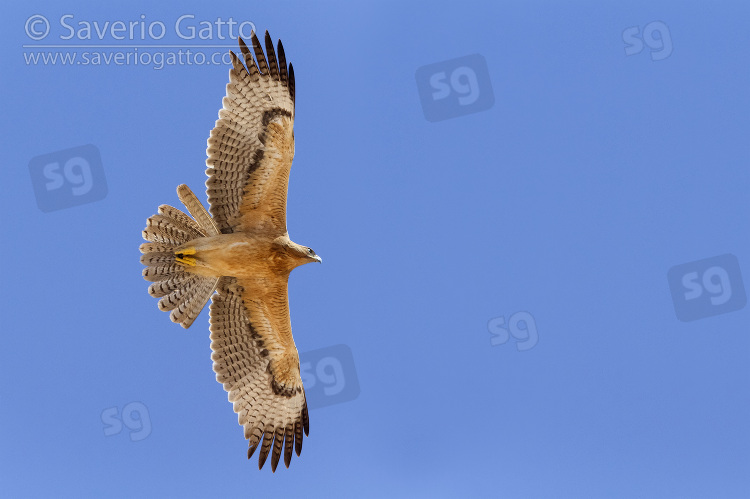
162, 272
157, 258
156, 247
196, 209
181, 219
169, 231
158, 235
187, 311
162, 288
173, 299
180, 291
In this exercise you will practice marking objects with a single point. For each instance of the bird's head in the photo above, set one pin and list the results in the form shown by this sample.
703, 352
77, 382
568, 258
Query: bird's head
300, 254
310, 255
294, 254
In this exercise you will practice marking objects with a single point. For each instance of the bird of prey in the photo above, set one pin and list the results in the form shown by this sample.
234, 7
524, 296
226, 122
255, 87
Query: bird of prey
242, 251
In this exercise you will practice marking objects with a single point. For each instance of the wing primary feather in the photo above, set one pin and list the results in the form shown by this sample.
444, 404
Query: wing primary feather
249, 61
254, 436
288, 442
251, 450
265, 447
282, 64
243, 46
273, 65
305, 420
262, 65
278, 442
291, 81
298, 437
236, 64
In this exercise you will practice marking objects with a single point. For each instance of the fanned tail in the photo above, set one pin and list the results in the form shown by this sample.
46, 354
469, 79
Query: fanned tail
181, 292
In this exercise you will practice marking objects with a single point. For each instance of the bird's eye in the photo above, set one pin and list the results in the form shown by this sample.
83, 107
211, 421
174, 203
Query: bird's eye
309, 250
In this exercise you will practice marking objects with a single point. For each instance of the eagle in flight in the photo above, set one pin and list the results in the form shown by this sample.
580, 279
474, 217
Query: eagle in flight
242, 251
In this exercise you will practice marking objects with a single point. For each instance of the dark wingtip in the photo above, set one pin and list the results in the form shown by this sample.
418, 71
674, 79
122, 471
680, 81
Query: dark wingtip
288, 443
273, 64
262, 460
265, 448
236, 63
251, 450
291, 82
281, 57
306, 420
278, 444
259, 55
298, 437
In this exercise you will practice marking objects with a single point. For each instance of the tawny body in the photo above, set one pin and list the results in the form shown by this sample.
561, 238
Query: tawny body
242, 255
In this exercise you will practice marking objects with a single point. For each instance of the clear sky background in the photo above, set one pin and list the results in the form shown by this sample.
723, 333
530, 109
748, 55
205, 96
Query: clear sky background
536, 292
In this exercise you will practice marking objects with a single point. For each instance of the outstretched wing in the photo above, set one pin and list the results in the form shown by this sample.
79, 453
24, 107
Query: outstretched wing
256, 360
251, 147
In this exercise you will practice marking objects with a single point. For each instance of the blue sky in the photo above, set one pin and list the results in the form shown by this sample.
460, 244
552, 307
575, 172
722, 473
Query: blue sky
534, 227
